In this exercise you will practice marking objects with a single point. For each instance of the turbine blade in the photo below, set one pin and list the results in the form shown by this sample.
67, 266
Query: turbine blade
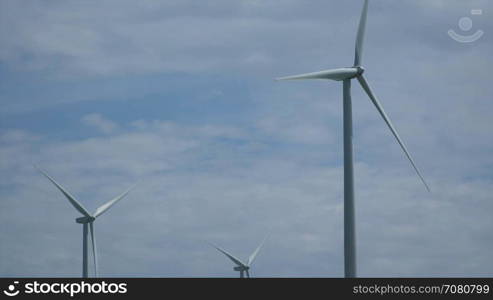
333, 74
70, 198
94, 255
248, 273
230, 256
110, 203
254, 254
358, 52
379, 107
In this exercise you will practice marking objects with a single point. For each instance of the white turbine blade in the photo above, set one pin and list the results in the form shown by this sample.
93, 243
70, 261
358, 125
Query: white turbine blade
230, 256
94, 255
110, 203
379, 107
254, 254
358, 52
333, 74
70, 198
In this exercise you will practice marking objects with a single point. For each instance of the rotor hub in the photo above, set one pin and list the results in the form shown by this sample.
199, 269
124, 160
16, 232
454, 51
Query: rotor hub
360, 69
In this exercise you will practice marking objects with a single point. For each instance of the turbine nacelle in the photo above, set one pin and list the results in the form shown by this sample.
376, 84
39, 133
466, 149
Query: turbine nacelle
85, 220
246, 268
360, 69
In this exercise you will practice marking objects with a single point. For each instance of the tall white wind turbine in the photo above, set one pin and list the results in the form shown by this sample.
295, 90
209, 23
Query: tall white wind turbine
346, 75
87, 221
241, 266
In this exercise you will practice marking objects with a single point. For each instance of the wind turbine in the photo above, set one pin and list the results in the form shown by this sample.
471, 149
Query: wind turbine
87, 221
241, 266
346, 75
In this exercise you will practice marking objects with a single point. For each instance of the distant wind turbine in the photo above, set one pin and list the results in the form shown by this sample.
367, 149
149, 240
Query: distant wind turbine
241, 266
346, 75
87, 221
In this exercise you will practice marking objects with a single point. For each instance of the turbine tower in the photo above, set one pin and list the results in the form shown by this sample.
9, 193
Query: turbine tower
241, 266
346, 75
87, 221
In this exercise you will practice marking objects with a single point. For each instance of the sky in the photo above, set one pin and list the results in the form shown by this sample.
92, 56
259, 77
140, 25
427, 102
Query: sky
178, 97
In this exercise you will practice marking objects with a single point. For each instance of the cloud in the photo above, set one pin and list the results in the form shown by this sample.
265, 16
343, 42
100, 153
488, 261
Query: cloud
97, 121
215, 183
73, 39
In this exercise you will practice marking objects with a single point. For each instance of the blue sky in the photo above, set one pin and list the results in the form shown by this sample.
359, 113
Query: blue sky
179, 96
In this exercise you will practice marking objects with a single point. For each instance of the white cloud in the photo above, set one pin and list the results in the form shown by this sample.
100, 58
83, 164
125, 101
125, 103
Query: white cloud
99, 122
196, 186
104, 39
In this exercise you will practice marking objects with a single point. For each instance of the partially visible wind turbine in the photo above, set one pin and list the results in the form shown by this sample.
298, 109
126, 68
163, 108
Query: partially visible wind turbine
87, 221
241, 266
346, 75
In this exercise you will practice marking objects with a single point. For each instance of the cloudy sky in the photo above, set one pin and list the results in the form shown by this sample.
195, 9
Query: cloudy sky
178, 97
